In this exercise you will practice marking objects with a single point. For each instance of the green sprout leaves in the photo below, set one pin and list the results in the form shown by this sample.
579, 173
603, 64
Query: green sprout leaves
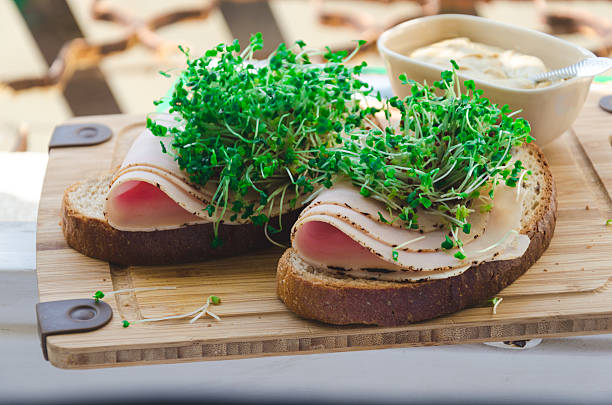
460, 255
263, 133
449, 150
261, 129
494, 302
448, 243
98, 295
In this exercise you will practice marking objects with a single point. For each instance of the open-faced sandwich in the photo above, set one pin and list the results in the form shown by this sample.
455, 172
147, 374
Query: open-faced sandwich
436, 212
224, 171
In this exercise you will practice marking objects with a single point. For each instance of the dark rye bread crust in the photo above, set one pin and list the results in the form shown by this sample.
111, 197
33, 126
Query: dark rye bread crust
336, 301
96, 238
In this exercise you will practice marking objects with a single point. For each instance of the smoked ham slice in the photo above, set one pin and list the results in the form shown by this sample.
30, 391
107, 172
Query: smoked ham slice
341, 230
150, 192
344, 202
135, 202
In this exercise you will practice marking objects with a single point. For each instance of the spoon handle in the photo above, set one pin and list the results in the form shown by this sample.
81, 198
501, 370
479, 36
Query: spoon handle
586, 67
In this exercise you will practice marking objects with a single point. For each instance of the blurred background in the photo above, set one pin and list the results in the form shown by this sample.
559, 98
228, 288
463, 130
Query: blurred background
64, 58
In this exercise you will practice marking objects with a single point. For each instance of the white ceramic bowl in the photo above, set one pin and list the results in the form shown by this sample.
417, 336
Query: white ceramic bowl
550, 110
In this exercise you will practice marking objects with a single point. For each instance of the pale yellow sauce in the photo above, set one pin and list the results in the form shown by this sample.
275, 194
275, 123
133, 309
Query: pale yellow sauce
489, 63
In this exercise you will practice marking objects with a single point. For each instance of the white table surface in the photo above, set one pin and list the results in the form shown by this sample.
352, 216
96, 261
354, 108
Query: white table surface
568, 370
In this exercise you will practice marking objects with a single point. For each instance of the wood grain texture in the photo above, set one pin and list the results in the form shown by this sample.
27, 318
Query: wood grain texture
594, 135
567, 292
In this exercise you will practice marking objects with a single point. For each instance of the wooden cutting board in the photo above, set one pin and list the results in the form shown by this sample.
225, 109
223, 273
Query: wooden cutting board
567, 292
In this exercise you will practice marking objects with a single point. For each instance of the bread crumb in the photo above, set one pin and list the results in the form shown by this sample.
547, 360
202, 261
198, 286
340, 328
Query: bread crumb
545, 270
586, 208
589, 246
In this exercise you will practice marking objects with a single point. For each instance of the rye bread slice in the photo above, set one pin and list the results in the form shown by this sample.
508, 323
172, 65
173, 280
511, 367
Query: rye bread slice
86, 230
315, 294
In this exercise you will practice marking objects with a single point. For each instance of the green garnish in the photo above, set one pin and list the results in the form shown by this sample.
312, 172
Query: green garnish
260, 134
446, 152
98, 295
194, 315
448, 243
460, 255
382, 219
283, 130
494, 302
609, 222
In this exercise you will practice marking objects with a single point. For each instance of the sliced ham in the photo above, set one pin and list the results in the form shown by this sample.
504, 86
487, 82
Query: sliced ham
150, 192
346, 195
329, 237
344, 203
150, 201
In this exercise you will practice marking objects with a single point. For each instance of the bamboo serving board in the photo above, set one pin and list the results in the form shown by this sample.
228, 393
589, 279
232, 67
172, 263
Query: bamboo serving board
567, 292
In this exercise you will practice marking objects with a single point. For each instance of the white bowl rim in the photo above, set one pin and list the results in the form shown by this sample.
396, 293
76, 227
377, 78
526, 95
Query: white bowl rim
388, 33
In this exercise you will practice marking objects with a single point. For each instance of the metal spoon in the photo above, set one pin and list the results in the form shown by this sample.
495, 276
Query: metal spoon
586, 67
